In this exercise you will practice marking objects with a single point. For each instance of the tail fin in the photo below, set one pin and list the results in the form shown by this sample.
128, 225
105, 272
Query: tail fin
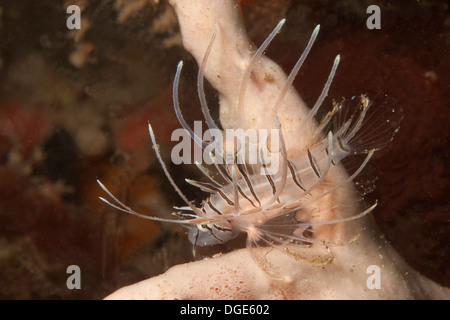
362, 125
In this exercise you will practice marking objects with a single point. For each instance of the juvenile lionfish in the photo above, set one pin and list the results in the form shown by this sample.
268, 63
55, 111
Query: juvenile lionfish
264, 203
